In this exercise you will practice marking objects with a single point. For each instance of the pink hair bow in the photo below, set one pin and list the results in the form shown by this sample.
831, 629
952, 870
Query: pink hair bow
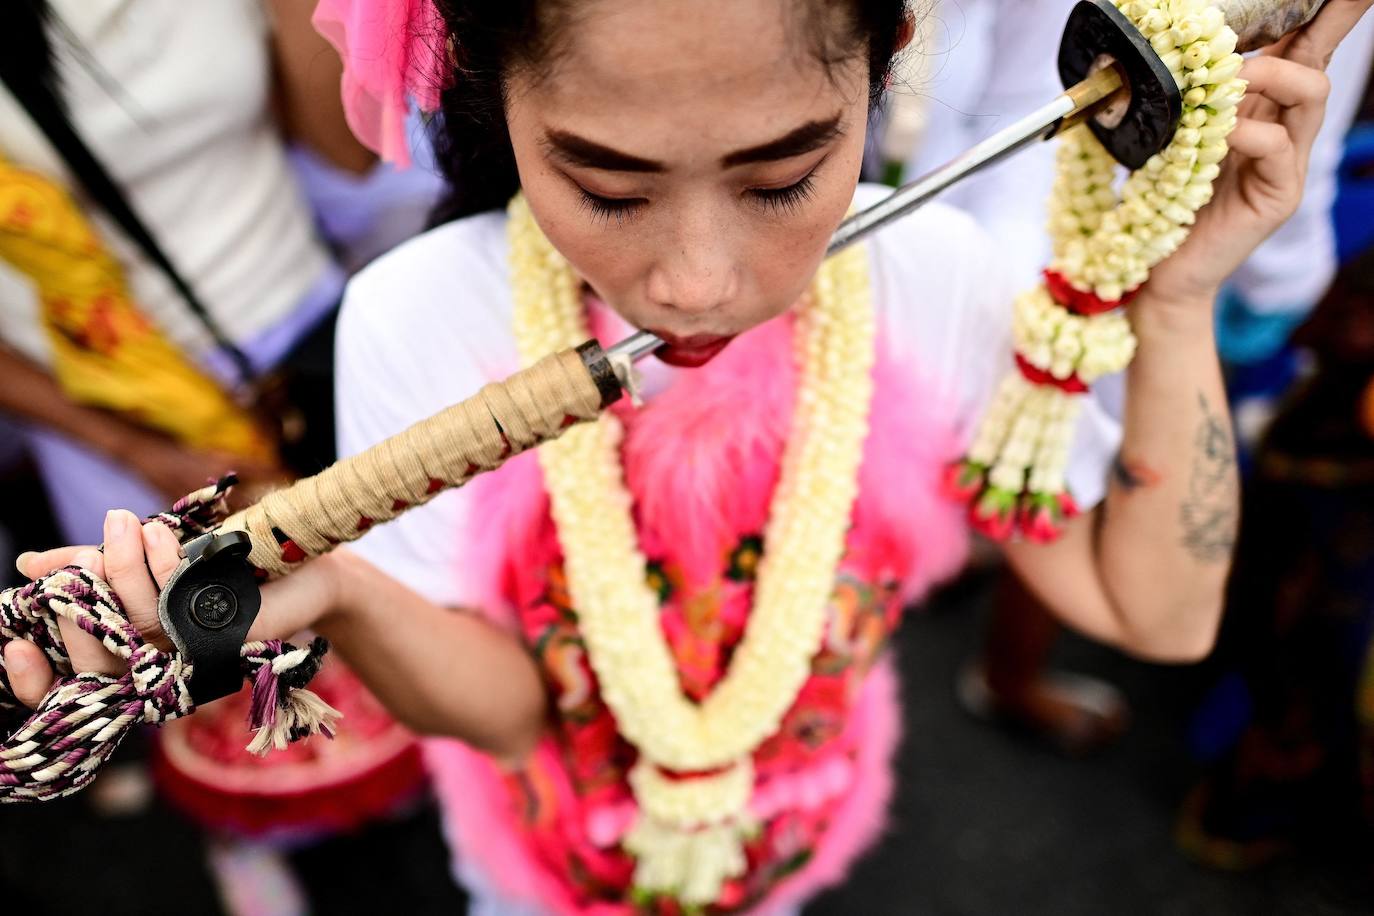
392, 51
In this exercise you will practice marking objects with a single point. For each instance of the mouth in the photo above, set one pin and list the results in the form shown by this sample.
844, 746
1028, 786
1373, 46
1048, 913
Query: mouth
689, 352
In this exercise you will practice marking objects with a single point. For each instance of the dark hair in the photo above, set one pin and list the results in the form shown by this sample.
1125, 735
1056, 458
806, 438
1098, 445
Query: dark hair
472, 141
26, 55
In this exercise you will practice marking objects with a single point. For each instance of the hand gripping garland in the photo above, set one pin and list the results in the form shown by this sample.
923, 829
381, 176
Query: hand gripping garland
211, 600
1071, 329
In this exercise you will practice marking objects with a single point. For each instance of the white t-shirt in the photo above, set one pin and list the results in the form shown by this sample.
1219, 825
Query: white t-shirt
989, 63
173, 98
430, 323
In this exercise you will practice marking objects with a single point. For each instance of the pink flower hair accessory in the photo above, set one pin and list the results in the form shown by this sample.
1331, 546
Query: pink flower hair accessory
393, 51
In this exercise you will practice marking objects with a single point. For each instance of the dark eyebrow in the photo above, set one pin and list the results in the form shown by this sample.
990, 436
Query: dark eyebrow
577, 150
580, 151
804, 139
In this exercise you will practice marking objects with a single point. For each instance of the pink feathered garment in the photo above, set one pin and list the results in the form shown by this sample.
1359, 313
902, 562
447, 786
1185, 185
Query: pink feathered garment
701, 460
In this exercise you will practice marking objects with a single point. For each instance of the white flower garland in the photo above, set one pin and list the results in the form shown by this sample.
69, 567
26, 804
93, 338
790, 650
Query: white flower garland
1105, 243
689, 834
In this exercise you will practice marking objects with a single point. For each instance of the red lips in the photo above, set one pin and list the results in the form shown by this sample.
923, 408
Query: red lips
689, 352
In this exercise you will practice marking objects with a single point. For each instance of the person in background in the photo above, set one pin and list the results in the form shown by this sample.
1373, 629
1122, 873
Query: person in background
137, 367
1297, 651
200, 153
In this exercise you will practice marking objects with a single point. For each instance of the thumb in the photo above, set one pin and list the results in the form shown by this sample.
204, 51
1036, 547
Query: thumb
31, 677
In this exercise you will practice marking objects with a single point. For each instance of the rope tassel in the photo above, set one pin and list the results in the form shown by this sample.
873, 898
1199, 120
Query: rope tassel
281, 710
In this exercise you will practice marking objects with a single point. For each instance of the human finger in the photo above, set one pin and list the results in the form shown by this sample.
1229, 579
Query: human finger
1314, 43
1297, 92
1268, 151
35, 563
1285, 82
1260, 140
125, 567
30, 674
84, 650
163, 551
1269, 164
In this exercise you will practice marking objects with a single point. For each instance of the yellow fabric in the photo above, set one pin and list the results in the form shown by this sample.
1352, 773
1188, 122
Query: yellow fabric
105, 352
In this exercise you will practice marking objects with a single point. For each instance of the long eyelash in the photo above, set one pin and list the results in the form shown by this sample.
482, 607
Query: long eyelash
789, 199
604, 209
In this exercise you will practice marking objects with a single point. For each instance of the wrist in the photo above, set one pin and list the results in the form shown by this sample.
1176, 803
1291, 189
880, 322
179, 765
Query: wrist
1192, 317
343, 584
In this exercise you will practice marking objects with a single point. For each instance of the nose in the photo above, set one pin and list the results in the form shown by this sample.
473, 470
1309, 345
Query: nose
696, 272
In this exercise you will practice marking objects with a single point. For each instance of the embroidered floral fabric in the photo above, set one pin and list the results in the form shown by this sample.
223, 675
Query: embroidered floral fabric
703, 626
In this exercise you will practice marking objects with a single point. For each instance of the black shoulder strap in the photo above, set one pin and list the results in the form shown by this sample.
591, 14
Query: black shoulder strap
41, 101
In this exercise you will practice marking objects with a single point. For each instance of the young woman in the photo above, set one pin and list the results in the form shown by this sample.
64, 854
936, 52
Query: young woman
681, 167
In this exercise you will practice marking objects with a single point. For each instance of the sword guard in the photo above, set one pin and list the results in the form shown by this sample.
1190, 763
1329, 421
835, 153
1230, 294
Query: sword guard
1096, 28
207, 608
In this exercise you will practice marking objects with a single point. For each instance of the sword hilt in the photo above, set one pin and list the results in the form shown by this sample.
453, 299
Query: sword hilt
445, 451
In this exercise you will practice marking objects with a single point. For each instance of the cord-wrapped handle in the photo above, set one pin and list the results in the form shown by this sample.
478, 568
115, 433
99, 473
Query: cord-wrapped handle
339, 504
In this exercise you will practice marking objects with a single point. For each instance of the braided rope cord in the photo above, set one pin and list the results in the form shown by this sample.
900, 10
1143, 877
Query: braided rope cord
61, 746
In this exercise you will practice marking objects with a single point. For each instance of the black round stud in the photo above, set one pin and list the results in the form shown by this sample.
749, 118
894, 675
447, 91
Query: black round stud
214, 606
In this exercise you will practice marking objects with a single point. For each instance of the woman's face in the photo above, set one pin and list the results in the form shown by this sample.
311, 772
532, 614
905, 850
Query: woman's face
691, 160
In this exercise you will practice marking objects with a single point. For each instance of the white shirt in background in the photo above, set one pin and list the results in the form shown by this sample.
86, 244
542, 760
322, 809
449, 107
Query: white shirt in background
174, 98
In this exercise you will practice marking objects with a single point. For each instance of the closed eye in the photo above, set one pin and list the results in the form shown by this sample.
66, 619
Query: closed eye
788, 199
604, 209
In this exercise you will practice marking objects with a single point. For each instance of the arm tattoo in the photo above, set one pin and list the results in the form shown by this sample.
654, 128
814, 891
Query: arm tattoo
1211, 508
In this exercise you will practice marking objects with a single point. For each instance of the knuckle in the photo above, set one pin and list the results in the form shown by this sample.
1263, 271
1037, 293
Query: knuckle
1321, 86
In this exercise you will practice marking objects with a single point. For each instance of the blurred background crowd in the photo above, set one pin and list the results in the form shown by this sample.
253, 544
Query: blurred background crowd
180, 205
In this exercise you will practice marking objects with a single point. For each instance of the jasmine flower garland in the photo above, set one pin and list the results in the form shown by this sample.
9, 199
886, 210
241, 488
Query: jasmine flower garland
688, 837
1070, 330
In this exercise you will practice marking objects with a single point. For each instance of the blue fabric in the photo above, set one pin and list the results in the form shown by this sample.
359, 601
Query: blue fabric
1245, 337
1221, 718
1355, 194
